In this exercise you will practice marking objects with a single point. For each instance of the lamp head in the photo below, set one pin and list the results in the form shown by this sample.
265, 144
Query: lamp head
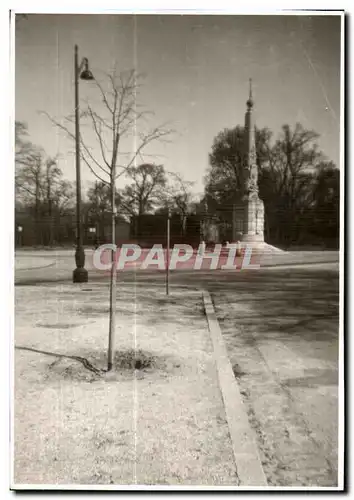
86, 73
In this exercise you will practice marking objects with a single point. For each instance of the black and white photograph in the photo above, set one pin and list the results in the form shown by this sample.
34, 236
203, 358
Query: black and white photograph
178, 202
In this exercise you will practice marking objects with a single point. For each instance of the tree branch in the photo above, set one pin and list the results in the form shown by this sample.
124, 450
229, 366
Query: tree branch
99, 136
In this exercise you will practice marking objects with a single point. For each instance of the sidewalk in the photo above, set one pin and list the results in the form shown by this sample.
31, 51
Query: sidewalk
162, 424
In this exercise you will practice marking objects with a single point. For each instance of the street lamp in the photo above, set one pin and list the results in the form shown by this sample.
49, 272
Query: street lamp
80, 274
19, 228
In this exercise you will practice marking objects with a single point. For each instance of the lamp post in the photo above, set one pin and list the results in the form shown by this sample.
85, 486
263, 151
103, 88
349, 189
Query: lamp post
19, 228
80, 274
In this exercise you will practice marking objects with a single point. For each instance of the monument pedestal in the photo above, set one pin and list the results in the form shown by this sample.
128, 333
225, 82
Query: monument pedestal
253, 219
248, 220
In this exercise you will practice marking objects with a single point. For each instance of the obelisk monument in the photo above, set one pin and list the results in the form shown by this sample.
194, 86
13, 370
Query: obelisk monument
253, 207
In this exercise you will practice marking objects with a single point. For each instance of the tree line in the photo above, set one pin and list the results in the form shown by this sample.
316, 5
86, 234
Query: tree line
45, 200
299, 186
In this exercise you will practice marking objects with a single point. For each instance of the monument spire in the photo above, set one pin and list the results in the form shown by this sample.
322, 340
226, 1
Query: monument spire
251, 170
250, 99
248, 216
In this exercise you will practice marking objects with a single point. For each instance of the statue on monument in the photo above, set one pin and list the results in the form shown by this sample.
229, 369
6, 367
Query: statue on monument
250, 163
251, 185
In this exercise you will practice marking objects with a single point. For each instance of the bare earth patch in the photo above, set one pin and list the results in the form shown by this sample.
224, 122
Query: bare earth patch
157, 418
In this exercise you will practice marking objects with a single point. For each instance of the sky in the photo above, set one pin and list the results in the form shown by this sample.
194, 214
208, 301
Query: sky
196, 71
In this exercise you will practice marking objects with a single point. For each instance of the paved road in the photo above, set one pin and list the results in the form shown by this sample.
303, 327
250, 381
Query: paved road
282, 332
281, 326
57, 265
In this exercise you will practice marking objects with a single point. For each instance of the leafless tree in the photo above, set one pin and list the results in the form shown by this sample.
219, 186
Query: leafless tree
29, 181
145, 191
180, 197
115, 137
39, 180
99, 204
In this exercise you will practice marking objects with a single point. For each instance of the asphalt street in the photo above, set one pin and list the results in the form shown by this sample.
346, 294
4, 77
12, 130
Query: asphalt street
281, 327
33, 267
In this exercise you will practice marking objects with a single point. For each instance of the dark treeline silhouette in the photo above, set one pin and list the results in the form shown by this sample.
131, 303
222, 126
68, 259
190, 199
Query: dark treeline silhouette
45, 208
44, 200
299, 187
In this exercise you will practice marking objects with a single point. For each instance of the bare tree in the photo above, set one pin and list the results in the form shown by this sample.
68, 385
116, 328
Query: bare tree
40, 186
180, 197
26, 156
99, 204
287, 181
116, 137
29, 182
145, 191
22, 145
52, 175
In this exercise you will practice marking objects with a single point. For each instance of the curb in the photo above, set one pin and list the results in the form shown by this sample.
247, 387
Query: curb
34, 267
248, 464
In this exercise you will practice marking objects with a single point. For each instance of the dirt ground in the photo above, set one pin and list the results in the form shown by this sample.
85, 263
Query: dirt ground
158, 418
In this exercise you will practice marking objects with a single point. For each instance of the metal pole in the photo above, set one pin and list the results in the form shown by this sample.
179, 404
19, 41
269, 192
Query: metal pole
168, 255
80, 275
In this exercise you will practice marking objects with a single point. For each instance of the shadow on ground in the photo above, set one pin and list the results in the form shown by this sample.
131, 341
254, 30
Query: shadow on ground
92, 366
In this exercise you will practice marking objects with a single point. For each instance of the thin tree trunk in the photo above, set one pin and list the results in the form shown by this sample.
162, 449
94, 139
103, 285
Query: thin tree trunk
36, 215
49, 201
113, 284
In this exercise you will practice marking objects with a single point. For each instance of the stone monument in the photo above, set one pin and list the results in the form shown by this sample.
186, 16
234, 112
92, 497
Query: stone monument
248, 216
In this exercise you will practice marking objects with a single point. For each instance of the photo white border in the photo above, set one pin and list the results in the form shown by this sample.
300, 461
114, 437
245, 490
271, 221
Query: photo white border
7, 199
